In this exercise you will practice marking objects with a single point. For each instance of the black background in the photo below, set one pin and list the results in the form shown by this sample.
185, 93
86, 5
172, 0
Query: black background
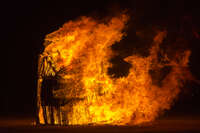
24, 25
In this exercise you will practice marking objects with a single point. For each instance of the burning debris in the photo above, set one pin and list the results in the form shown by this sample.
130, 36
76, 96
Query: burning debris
74, 86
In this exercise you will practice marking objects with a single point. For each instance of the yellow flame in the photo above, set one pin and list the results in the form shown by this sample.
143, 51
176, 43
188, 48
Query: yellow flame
82, 48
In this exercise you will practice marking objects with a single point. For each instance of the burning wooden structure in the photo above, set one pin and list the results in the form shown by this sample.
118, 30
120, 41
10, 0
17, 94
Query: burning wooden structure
74, 86
48, 106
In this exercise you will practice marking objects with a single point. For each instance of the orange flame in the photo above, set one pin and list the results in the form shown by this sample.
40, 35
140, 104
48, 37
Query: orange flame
83, 49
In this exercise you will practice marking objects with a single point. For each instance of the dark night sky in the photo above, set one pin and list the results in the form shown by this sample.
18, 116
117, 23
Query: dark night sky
26, 23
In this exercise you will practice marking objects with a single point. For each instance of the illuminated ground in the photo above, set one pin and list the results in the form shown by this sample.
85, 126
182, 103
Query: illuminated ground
186, 124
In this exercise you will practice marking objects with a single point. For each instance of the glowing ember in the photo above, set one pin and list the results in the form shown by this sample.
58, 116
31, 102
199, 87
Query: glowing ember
77, 57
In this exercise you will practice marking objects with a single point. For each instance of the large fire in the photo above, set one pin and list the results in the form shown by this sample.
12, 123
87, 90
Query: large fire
78, 56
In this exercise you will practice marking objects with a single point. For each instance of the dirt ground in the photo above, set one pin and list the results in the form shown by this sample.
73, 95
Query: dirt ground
172, 124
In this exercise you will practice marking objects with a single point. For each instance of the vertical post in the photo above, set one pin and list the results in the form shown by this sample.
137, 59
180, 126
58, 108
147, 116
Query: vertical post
40, 111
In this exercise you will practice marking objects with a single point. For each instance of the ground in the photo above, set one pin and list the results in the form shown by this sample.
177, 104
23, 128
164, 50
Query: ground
172, 124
